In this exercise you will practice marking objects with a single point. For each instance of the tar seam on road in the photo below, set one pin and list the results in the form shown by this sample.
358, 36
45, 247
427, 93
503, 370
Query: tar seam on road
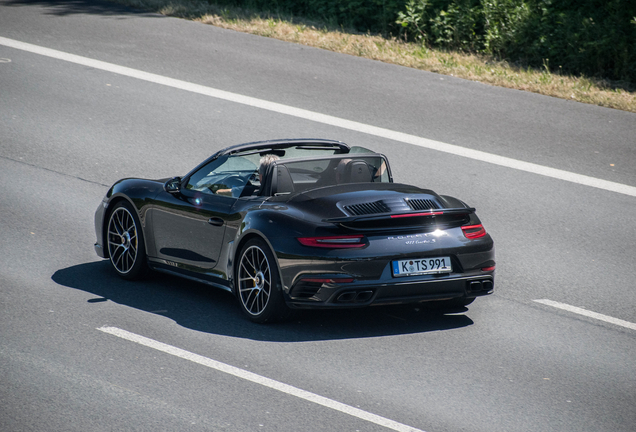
327, 119
53, 171
587, 313
258, 379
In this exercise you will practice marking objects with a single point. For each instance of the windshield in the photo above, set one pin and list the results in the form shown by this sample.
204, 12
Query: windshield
227, 175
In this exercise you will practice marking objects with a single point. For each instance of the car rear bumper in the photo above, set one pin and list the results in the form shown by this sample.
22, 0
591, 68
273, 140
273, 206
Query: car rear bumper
342, 295
327, 282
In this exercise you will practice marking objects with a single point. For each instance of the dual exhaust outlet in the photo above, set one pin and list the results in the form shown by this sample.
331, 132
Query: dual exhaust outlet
355, 296
485, 285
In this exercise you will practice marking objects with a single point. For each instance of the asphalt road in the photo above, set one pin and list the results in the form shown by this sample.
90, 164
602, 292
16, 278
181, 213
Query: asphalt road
507, 363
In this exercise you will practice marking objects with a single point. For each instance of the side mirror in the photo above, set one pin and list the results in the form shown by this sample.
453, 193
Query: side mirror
173, 185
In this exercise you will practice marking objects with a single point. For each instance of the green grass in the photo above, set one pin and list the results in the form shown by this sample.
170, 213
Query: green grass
611, 94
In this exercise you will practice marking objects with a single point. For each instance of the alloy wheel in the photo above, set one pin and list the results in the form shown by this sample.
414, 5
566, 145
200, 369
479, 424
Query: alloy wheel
122, 240
255, 280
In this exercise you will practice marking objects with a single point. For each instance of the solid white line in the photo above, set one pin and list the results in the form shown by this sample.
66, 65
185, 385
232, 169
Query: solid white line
587, 313
327, 119
258, 379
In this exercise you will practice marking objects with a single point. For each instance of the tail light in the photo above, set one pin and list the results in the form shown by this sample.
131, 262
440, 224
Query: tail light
474, 231
334, 242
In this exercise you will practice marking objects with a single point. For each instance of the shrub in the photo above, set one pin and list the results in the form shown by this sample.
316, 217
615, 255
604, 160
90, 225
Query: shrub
593, 37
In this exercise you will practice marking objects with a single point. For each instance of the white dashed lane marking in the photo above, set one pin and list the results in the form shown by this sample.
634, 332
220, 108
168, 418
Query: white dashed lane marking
587, 313
258, 379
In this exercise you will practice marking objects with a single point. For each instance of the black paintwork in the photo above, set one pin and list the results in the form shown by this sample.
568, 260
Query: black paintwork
198, 235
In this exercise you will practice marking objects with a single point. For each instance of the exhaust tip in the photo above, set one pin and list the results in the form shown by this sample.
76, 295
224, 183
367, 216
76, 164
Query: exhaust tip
364, 296
475, 286
347, 297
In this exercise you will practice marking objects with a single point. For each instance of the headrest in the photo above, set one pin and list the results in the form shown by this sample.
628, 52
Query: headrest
282, 182
353, 171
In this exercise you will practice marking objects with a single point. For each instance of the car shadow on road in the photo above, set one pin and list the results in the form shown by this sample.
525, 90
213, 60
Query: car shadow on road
207, 309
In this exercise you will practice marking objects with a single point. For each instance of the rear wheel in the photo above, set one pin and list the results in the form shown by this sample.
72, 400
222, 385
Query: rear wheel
258, 285
126, 242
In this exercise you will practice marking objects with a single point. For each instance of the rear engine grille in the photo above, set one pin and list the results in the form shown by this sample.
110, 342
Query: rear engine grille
421, 204
367, 208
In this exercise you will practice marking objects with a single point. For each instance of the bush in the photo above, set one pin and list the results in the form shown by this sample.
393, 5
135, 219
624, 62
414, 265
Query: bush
592, 37
597, 38
377, 16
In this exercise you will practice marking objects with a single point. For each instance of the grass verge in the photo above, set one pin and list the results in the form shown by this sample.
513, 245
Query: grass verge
611, 94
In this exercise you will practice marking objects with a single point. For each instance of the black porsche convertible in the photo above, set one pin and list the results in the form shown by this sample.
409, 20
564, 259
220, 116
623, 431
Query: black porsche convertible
292, 224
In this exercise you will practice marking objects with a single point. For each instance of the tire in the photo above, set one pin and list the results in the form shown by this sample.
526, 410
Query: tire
258, 286
125, 242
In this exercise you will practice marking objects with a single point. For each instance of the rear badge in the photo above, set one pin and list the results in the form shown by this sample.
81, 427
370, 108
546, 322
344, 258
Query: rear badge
416, 242
413, 239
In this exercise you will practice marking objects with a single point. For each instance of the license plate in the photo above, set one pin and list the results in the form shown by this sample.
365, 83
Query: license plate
422, 266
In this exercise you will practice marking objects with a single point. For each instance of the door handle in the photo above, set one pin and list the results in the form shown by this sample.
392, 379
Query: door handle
215, 221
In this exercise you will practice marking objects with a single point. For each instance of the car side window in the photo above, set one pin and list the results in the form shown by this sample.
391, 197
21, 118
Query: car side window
227, 175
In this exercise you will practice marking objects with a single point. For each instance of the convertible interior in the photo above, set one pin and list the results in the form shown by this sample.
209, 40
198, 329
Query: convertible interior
237, 175
291, 176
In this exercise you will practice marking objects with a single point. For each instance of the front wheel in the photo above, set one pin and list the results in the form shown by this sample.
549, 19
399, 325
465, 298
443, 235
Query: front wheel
126, 242
258, 285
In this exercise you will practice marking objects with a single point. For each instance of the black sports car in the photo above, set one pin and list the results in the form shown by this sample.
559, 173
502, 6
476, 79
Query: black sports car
295, 224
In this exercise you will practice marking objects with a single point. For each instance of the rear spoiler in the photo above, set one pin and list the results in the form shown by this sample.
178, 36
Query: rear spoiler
389, 216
